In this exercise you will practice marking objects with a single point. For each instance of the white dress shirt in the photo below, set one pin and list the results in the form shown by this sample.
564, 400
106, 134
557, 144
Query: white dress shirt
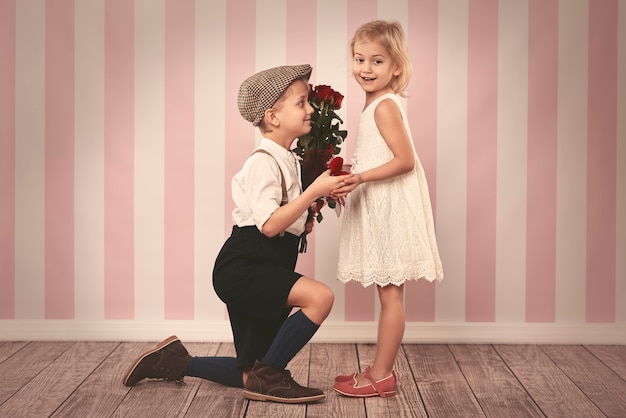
257, 190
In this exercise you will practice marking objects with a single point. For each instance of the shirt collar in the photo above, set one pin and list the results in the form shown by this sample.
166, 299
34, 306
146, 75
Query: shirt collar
276, 149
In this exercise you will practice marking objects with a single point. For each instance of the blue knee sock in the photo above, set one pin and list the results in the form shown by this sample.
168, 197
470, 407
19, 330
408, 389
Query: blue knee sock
221, 370
294, 334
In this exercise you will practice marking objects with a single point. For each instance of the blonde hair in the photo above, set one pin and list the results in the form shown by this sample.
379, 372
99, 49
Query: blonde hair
391, 36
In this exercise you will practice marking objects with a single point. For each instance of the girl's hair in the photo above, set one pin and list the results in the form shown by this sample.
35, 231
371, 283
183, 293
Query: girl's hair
391, 36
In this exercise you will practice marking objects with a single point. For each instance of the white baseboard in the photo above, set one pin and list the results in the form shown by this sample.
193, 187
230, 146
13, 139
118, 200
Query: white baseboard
330, 332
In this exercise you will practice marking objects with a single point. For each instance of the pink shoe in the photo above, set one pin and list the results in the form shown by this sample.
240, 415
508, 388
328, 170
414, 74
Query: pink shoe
383, 387
345, 377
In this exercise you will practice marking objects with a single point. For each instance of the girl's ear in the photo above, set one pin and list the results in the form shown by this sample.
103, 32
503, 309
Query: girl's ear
397, 71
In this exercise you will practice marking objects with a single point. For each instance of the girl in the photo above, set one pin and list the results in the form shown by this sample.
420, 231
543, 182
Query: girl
387, 234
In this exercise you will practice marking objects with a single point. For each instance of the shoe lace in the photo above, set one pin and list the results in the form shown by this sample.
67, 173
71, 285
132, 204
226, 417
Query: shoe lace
288, 379
169, 373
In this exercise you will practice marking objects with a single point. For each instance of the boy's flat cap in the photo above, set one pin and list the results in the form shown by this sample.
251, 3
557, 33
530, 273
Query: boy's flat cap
260, 91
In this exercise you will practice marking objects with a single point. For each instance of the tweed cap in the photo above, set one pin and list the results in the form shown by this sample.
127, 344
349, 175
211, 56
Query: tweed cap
260, 91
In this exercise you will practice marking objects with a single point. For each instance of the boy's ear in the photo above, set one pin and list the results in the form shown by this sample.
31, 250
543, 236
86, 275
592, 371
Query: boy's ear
271, 118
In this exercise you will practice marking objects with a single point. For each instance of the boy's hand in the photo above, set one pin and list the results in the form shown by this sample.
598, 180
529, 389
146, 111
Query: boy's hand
325, 184
347, 185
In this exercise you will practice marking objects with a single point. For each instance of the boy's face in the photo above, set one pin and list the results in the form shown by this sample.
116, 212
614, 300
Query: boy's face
295, 111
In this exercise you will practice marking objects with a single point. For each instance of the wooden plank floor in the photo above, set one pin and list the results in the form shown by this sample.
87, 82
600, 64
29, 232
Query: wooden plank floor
83, 379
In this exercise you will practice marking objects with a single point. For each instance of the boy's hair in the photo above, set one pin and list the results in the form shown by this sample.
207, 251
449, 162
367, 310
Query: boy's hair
391, 36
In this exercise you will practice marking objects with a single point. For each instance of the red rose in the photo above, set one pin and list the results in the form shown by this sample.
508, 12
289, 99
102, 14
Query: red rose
317, 147
323, 93
337, 99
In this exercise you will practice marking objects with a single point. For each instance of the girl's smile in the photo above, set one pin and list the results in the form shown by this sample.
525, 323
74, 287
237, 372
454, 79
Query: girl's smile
373, 69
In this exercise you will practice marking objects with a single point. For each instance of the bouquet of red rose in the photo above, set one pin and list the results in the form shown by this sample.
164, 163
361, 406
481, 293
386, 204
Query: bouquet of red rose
316, 148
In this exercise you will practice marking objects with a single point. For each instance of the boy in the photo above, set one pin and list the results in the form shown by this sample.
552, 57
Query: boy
254, 271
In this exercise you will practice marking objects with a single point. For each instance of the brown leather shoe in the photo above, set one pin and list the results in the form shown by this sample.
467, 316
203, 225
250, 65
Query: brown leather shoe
166, 361
265, 383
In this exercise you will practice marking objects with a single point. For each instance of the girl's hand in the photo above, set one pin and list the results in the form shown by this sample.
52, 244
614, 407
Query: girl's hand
287, 214
325, 184
348, 184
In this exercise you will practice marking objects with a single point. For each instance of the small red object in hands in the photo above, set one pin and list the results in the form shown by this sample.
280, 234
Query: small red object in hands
336, 165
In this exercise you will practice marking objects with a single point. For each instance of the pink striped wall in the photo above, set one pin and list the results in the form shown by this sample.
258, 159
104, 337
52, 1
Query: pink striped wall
59, 160
491, 105
179, 159
240, 28
542, 145
481, 161
7, 160
602, 163
119, 155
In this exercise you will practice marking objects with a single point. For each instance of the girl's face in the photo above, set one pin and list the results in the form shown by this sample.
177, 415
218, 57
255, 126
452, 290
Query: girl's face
373, 68
295, 111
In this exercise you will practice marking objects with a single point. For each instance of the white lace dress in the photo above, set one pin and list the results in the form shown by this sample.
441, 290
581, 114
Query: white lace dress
387, 232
